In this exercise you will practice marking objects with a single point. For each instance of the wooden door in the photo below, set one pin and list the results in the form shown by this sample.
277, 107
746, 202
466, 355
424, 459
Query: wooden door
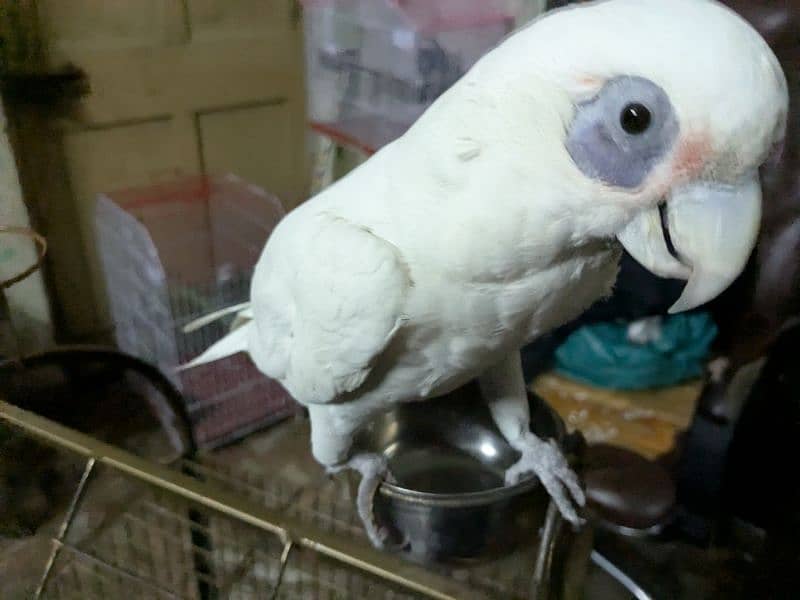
175, 87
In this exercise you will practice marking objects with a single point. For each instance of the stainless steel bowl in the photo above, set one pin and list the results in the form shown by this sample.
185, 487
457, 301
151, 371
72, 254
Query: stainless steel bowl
448, 458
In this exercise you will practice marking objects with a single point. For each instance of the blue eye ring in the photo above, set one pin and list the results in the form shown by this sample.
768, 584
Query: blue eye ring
621, 133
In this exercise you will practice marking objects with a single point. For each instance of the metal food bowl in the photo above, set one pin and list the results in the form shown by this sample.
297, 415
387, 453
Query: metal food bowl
449, 502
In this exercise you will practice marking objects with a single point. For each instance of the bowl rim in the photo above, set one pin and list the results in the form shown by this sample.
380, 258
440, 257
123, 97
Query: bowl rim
454, 500
482, 497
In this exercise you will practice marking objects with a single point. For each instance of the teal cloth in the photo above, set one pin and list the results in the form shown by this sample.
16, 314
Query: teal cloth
601, 354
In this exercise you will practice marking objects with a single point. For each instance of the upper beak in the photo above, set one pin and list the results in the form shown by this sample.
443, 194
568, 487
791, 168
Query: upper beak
713, 228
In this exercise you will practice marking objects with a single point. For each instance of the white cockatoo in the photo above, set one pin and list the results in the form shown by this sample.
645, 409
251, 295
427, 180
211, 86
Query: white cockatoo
502, 213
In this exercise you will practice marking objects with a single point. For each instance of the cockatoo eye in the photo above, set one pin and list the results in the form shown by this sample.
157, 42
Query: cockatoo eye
635, 118
623, 132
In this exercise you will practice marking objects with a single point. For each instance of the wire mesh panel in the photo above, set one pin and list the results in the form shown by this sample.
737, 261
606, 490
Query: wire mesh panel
228, 526
166, 547
309, 575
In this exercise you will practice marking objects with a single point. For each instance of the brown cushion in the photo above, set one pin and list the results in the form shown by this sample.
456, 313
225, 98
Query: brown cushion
626, 489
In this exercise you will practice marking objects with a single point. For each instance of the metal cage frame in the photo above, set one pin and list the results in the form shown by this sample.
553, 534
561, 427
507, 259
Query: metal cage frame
288, 535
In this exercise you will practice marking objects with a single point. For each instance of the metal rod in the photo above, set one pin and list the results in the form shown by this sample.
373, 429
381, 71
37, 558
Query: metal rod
620, 576
237, 575
63, 529
354, 554
540, 582
287, 548
201, 542
41, 247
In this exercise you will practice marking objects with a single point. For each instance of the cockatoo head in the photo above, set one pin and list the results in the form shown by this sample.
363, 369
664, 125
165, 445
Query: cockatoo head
673, 106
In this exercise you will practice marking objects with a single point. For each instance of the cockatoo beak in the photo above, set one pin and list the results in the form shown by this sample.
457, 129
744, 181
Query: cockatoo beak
712, 227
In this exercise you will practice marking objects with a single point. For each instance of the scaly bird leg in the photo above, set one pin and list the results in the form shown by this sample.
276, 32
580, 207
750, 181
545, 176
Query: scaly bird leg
374, 470
503, 387
331, 448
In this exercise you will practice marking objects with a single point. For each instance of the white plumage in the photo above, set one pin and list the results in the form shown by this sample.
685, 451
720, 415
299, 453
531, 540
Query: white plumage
496, 219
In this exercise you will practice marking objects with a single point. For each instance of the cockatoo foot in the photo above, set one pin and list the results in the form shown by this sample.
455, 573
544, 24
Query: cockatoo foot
545, 460
374, 470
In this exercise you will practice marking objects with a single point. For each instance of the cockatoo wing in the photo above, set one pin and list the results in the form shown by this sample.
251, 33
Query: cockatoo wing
327, 307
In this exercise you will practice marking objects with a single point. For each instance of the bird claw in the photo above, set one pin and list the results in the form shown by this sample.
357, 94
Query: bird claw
545, 460
374, 470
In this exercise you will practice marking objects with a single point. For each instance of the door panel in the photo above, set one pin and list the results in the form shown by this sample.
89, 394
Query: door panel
252, 142
176, 88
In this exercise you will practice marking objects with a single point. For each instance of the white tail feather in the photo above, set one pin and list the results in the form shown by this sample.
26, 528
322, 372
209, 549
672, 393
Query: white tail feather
235, 341
214, 316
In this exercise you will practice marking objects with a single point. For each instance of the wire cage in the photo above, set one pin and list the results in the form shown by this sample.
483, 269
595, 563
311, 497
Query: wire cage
374, 66
166, 548
206, 527
177, 251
